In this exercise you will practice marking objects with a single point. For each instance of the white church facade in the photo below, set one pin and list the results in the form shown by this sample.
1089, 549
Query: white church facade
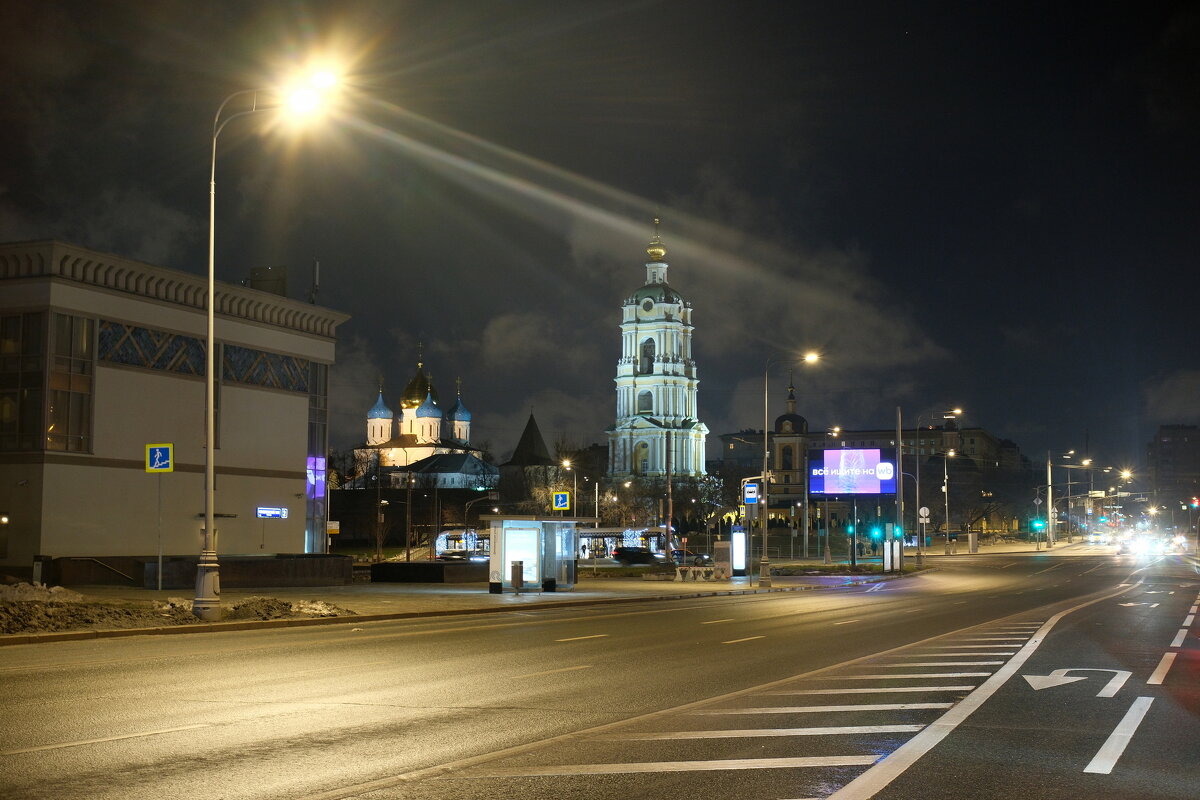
657, 426
422, 430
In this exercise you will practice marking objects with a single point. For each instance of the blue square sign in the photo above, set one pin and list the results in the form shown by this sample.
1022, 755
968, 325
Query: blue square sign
160, 458
562, 501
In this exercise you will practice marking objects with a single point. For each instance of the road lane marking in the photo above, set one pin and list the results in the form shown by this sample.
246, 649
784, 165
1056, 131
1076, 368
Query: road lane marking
712, 712
1154, 605
747, 639
550, 672
1119, 739
956, 655
1179, 637
915, 675
715, 621
876, 587
977, 646
1047, 569
102, 740
1010, 564
873, 780
848, 622
580, 638
673, 766
877, 690
945, 664
1188, 620
748, 733
995, 639
915, 611
1160, 672
1192, 610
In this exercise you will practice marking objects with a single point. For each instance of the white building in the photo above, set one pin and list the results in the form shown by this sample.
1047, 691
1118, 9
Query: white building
101, 356
657, 421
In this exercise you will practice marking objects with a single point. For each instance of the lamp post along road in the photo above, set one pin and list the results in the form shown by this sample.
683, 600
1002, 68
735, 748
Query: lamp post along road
207, 603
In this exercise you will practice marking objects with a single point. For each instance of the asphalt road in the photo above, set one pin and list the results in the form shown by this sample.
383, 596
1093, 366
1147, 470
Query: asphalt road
913, 688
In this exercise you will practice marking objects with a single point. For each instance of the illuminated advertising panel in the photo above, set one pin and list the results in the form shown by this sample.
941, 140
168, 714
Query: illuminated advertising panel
852, 471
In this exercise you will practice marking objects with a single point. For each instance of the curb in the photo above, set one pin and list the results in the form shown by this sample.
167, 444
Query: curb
299, 622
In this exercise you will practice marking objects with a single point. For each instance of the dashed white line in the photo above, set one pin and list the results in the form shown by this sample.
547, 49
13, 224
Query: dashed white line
877, 690
581, 638
677, 766
1118, 740
820, 709
848, 622
1160, 672
750, 733
747, 639
1179, 637
100, 741
1188, 620
1047, 569
715, 621
550, 672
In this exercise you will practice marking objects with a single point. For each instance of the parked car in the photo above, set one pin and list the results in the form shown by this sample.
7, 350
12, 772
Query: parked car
636, 555
686, 558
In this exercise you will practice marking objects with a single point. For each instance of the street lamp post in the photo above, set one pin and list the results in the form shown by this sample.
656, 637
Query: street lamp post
917, 478
764, 567
575, 484
207, 603
946, 456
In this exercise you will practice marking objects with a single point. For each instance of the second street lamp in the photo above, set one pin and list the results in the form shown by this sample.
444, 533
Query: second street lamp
207, 603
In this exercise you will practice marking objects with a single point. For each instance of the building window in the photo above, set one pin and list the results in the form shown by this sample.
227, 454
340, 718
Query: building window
787, 457
22, 371
646, 364
645, 404
69, 402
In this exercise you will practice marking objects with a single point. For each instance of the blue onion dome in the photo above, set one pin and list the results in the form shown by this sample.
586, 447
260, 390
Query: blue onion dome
458, 412
380, 409
429, 408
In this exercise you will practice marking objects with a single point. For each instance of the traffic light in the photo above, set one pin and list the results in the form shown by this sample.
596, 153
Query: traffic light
1038, 524
875, 533
898, 532
849, 529
1196, 502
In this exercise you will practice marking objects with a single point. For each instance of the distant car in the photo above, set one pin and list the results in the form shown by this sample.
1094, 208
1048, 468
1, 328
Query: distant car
1096, 537
686, 558
636, 555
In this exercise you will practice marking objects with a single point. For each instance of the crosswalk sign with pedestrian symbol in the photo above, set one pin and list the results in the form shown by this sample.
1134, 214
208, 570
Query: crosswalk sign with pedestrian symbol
160, 458
562, 501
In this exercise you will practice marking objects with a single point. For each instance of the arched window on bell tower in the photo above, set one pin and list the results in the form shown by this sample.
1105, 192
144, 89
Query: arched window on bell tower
646, 363
786, 452
645, 404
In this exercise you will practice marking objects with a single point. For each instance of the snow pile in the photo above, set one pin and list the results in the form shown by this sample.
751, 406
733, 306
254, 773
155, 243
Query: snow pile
35, 608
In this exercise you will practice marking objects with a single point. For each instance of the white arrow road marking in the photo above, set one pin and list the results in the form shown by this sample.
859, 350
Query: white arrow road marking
1059, 677
1119, 739
1039, 682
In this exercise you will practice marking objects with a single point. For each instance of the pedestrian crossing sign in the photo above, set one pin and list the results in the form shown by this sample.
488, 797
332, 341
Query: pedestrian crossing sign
160, 458
562, 501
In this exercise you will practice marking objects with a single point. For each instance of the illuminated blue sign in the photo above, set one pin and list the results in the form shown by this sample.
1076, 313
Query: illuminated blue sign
270, 512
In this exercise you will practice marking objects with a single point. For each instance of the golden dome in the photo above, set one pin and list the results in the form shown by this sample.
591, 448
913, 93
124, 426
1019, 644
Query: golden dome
656, 250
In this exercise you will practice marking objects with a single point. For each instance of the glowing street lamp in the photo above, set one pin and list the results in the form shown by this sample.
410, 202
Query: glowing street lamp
299, 99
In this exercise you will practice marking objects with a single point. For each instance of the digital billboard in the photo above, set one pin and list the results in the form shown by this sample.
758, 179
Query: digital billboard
852, 471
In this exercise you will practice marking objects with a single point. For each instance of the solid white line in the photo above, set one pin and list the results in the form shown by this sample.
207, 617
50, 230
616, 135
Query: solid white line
876, 690
715, 621
847, 622
819, 709
760, 732
994, 639
675, 766
1118, 740
1179, 637
1160, 672
915, 675
1188, 620
747, 639
99, 741
950, 663
550, 672
871, 782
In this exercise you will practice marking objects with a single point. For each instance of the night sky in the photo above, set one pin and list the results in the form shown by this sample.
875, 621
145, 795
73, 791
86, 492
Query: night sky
991, 205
